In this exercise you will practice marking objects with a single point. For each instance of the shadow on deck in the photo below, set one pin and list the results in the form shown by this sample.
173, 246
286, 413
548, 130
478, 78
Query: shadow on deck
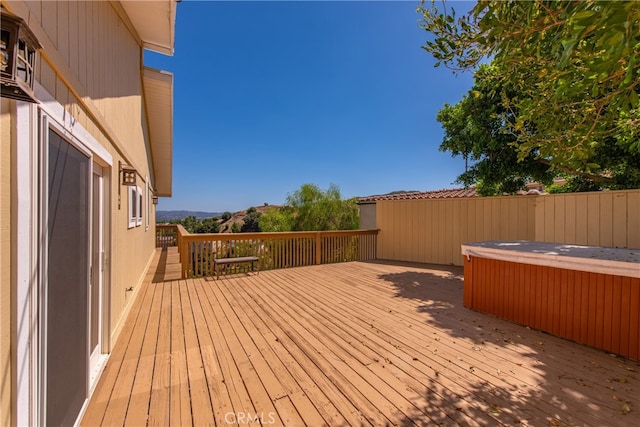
168, 265
344, 344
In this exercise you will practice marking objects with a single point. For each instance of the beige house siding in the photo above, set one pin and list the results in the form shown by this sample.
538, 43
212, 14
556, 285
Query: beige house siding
88, 78
5, 262
432, 230
100, 58
93, 69
91, 64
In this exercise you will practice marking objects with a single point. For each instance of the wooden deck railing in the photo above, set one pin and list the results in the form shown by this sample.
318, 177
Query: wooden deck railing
166, 235
275, 250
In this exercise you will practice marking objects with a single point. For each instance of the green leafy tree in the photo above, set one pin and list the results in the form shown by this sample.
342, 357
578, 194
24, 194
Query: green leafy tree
573, 69
208, 225
276, 220
226, 216
195, 225
251, 221
190, 223
475, 129
235, 228
311, 209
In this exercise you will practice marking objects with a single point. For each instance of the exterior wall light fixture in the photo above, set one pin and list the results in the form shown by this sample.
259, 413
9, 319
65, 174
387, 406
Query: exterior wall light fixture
129, 175
18, 53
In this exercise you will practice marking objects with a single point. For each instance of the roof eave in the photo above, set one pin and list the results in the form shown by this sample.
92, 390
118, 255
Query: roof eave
154, 21
158, 90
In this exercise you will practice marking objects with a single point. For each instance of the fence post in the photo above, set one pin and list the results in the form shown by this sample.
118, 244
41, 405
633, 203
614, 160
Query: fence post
318, 249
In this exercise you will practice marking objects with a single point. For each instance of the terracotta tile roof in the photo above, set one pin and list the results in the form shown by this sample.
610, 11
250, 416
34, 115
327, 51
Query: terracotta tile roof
413, 195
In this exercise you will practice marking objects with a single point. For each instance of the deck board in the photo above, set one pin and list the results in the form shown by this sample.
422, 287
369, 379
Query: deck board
346, 344
180, 395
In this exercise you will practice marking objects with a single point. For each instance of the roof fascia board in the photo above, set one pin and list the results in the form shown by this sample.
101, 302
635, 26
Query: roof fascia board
122, 14
157, 156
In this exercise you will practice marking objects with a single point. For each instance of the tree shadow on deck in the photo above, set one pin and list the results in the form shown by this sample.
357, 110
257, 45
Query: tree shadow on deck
512, 370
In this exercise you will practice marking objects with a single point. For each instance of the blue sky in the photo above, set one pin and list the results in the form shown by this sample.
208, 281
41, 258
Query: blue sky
271, 95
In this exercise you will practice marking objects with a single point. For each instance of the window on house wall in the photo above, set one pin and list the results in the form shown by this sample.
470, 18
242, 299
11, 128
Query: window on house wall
146, 201
133, 206
139, 205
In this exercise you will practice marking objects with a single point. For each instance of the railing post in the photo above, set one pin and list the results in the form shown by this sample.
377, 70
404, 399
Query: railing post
318, 248
184, 258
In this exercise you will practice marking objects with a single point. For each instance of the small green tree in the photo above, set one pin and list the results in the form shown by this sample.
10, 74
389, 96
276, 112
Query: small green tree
190, 223
251, 222
208, 225
275, 220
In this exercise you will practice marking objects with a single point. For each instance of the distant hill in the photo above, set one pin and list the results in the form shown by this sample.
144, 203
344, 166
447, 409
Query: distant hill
164, 216
238, 217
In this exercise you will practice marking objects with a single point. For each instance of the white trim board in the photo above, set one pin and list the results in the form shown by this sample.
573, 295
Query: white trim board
25, 271
70, 124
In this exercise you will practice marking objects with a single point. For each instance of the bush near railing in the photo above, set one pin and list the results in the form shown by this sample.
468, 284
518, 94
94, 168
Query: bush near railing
274, 250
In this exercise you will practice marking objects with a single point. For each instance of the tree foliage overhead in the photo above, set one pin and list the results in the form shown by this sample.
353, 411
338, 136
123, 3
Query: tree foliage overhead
474, 129
311, 209
566, 75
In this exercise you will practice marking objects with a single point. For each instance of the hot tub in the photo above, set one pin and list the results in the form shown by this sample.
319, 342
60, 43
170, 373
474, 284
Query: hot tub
587, 294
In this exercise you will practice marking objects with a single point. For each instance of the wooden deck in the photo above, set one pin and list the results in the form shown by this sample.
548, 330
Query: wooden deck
347, 344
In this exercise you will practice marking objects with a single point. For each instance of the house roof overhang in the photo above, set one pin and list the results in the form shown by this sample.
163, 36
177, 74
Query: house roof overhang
154, 21
158, 90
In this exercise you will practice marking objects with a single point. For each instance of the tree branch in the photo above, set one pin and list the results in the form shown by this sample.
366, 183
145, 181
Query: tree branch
593, 177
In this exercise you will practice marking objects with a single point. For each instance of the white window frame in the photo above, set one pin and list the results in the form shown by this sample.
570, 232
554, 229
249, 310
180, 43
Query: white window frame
146, 201
139, 206
132, 209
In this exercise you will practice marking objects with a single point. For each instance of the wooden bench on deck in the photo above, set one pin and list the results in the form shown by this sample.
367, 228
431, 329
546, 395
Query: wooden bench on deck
235, 260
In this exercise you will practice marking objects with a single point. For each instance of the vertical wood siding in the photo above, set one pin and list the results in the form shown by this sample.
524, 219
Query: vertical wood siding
95, 47
596, 309
432, 230
607, 218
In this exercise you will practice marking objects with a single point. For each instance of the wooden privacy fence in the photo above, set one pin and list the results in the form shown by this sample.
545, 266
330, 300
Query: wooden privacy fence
432, 230
274, 250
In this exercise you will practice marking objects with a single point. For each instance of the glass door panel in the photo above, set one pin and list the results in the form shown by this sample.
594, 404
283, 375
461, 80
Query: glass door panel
68, 279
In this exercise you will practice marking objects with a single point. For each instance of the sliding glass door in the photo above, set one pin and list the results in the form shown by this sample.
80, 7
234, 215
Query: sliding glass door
68, 307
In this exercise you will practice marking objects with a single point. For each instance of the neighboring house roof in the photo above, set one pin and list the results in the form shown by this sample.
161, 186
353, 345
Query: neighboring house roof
414, 195
154, 22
